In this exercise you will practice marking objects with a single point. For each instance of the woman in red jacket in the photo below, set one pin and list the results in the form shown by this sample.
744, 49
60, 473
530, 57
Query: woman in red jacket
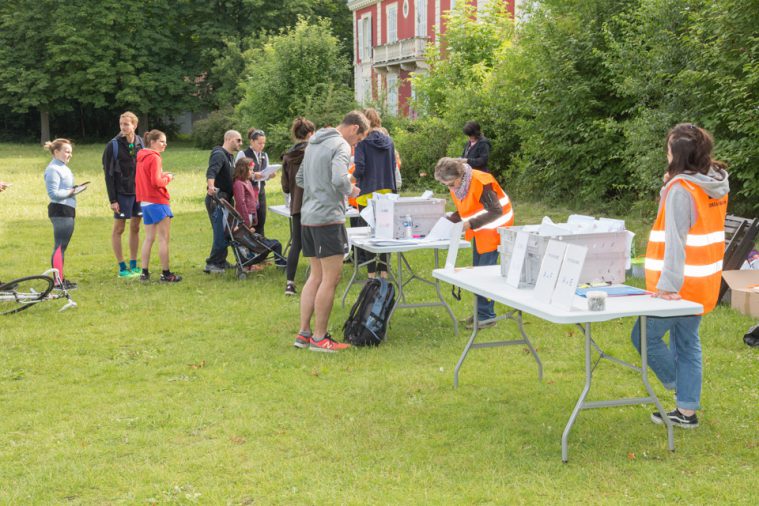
150, 187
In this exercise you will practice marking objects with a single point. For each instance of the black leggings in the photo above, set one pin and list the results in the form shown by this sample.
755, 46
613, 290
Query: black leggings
261, 212
363, 255
63, 229
295, 246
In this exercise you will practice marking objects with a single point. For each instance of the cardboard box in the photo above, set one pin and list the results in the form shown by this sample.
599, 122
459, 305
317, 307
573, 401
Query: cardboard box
743, 298
389, 216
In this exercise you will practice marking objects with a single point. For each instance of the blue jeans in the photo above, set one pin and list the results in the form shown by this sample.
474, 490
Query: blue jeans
218, 254
678, 366
485, 307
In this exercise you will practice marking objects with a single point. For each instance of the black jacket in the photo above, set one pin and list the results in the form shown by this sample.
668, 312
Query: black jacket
477, 155
120, 171
375, 163
258, 167
220, 169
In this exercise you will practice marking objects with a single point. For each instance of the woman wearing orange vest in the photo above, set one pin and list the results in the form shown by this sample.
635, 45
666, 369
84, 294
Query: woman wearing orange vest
483, 207
684, 261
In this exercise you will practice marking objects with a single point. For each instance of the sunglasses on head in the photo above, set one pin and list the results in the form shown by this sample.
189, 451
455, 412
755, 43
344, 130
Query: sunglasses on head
256, 134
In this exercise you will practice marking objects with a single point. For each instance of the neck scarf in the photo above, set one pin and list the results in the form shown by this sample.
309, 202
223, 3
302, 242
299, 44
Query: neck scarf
466, 179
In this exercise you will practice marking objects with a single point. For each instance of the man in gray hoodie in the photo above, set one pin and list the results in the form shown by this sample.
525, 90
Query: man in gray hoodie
326, 184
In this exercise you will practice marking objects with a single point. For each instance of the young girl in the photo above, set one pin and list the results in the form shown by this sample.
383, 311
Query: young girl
150, 186
59, 181
245, 193
684, 261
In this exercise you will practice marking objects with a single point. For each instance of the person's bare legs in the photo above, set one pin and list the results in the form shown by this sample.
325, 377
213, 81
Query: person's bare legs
118, 230
147, 244
134, 237
331, 268
308, 294
164, 232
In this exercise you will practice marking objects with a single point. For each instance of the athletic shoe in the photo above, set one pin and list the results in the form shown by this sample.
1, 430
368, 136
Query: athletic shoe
301, 341
327, 345
144, 277
280, 265
170, 278
66, 285
213, 268
677, 418
481, 324
136, 271
126, 273
290, 288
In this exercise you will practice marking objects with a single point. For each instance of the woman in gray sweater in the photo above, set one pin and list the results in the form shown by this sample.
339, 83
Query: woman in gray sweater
59, 182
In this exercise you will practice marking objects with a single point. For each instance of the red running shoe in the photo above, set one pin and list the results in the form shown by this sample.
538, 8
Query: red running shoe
327, 345
302, 341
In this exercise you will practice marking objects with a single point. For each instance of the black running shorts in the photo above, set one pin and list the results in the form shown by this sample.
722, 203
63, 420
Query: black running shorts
324, 241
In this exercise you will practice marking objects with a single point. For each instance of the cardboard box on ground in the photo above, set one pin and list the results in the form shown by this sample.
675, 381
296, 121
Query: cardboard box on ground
744, 296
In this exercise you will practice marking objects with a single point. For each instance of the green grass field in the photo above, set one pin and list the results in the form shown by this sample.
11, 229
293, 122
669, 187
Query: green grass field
192, 393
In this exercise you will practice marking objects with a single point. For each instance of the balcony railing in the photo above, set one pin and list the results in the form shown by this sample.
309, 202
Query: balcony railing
401, 52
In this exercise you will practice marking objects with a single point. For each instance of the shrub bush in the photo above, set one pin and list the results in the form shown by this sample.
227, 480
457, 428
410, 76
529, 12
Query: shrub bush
209, 132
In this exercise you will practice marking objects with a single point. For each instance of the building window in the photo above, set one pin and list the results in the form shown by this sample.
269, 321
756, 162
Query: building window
405, 8
391, 15
365, 38
453, 4
420, 10
392, 94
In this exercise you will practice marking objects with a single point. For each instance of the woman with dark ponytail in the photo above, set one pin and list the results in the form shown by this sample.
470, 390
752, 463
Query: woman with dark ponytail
301, 130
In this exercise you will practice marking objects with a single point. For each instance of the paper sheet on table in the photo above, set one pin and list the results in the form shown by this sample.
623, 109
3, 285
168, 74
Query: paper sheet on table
270, 169
427, 194
367, 213
453, 248
441, 230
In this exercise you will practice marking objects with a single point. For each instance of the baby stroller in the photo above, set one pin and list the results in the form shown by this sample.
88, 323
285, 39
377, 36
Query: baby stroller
249, 247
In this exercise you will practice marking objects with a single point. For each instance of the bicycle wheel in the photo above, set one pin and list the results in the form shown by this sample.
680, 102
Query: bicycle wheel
22, 293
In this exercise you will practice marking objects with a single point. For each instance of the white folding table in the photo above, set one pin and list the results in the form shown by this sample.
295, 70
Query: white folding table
488, 282
360, 237
283, 210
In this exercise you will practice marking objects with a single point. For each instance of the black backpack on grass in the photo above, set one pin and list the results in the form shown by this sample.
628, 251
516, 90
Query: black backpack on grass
367, 323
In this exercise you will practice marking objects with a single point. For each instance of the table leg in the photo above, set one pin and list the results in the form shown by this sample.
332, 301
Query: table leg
644, 374
353, 276
290, 240
442, 300
466, 348
581, 400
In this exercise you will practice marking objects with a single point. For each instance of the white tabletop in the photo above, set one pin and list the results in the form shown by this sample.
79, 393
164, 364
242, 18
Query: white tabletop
283, 210
488, 282
361, 238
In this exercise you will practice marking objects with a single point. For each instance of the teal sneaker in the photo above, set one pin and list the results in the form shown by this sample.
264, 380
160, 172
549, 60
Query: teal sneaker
136, 271
126, 273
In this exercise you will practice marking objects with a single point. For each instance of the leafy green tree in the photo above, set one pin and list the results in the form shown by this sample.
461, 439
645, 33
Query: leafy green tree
299, 71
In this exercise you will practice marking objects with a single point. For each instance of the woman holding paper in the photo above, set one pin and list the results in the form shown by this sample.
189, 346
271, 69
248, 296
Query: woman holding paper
483, 207
255, 151
684, 261
59, 182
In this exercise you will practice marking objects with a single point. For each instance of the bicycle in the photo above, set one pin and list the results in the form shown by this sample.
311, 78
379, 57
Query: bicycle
23, 293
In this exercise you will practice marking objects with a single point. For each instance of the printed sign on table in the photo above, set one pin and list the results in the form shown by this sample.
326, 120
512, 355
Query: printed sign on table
453, 247
383, 219
517, 259
569, 276
549, 270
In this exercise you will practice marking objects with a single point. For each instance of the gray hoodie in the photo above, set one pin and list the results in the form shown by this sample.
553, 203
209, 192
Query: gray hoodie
681, 216
324, 177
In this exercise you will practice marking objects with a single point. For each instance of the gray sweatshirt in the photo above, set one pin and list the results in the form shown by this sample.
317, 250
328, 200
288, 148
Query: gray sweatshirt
681, 216
59, 180
324, 177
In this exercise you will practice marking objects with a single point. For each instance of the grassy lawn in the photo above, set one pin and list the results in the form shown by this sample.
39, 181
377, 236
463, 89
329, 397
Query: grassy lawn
192, 393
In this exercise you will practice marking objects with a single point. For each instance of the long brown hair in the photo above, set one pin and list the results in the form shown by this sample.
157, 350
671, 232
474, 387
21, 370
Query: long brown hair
242, 169
691, 147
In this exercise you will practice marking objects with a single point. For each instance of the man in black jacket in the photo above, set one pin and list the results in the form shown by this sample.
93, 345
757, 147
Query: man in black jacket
119, 165
477, 148
219, 182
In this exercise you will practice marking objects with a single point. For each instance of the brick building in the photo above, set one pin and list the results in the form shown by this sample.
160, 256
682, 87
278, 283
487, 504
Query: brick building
389, 38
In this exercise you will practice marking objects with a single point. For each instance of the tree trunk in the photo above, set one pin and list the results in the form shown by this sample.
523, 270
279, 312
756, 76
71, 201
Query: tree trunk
44, 126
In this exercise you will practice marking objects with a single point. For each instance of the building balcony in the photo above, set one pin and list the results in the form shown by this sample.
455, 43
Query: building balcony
404, 54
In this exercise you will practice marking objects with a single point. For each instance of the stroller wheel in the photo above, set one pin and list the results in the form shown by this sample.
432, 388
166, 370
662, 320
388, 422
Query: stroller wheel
241, 275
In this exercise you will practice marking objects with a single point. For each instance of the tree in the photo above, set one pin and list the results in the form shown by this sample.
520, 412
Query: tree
300, 70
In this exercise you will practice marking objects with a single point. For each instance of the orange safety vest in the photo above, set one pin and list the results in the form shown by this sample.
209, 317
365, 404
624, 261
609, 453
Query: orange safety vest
352, 201
704, 248
487, 237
